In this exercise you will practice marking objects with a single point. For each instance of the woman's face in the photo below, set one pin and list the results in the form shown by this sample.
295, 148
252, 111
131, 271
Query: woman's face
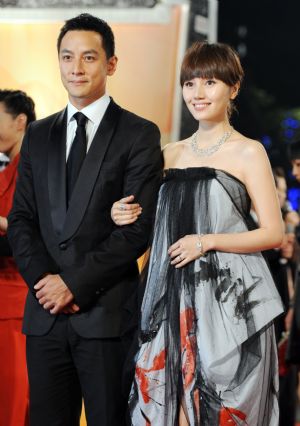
281, 190
9, 130
208, 98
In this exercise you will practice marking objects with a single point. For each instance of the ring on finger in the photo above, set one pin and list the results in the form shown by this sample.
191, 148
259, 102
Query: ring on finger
122, 206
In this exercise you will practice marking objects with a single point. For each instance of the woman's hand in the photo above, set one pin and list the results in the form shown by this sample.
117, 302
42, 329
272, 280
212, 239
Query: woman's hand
124, 213
187, 249
3, 224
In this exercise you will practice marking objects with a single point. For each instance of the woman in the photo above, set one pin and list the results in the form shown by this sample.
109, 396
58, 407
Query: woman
207, 350
16, 112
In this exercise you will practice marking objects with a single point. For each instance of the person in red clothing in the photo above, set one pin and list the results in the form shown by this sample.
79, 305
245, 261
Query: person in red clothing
16, 112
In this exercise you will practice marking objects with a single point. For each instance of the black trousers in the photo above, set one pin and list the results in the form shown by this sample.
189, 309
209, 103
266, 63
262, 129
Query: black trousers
63, 368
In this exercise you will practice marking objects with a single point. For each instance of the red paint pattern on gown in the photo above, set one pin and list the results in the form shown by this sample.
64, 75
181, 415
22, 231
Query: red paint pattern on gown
188, 342
196, 397
227, 416
158, 364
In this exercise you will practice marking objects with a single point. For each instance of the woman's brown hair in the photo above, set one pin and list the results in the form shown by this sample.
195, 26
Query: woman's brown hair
214, 60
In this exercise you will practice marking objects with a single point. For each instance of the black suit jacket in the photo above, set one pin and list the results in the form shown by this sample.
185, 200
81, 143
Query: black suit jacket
95, 258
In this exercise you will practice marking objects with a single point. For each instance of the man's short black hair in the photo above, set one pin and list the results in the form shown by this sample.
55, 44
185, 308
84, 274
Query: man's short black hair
294, 151
87, 22
17, 102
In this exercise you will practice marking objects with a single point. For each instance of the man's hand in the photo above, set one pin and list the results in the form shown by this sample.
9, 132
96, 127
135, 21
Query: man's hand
71, 308
54, 295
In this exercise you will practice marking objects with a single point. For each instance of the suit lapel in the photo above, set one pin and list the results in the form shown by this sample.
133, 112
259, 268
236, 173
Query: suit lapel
90, 170
57, 171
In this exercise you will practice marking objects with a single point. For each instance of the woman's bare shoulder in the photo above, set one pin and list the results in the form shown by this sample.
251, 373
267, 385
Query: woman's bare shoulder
246, 147
172, 151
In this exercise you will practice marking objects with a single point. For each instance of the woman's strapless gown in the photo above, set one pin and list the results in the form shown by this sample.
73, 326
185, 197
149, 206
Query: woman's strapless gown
206, 338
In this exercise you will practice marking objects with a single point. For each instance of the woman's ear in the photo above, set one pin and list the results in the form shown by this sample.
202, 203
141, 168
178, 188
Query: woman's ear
234, 91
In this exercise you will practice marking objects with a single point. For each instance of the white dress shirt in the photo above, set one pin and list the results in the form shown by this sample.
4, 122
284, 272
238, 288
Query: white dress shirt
94, 112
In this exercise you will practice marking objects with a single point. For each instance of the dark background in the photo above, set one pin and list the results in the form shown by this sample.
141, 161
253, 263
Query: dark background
266, 33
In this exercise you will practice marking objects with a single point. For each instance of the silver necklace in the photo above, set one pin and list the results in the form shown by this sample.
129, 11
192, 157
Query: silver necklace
206, 152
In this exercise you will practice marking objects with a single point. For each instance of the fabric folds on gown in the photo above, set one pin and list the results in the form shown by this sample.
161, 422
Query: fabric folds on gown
206, 338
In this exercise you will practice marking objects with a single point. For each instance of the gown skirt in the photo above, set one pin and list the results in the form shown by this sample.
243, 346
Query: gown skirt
206, 337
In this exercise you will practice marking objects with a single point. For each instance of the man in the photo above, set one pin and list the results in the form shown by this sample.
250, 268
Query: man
81, 269
16, 112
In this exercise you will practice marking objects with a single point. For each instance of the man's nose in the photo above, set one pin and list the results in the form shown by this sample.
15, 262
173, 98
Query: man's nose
77, 67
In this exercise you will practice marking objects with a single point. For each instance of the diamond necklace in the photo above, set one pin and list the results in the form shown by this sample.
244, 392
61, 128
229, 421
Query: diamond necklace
206, 152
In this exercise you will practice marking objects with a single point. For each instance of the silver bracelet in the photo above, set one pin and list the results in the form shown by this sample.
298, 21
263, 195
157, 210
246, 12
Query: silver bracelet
199, 245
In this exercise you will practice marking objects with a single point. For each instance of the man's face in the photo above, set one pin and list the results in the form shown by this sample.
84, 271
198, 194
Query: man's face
9, 131
84, 66
296, 169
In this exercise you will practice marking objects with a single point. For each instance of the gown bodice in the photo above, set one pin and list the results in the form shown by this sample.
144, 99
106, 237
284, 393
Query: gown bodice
235, 290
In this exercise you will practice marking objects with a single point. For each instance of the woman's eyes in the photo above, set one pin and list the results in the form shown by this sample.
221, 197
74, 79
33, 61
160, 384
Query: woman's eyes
188, 84
208, 82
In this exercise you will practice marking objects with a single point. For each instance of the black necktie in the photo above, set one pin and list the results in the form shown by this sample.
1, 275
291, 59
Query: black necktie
77, 153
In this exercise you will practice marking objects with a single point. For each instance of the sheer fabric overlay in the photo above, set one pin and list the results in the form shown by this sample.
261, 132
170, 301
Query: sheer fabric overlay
206, 338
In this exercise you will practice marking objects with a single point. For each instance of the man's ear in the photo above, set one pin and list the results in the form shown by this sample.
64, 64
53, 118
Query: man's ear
112, 65
21, 121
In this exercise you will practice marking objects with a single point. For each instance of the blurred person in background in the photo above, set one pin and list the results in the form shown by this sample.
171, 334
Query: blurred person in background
280, 259
282, 268
16, 112
293, 354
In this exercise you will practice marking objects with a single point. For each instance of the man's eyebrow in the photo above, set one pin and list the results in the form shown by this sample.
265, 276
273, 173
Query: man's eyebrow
65, 51
86, 52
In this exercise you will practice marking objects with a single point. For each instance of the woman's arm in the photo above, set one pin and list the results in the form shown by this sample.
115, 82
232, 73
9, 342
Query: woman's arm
259, 181
260, 185
3, 224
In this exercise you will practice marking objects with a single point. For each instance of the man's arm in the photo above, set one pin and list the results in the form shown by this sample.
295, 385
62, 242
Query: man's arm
101, 268
23, 232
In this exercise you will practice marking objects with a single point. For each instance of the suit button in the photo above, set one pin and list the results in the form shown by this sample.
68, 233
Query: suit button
63, 246
97, 292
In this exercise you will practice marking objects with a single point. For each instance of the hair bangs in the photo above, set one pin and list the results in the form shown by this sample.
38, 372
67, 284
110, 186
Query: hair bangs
203, 60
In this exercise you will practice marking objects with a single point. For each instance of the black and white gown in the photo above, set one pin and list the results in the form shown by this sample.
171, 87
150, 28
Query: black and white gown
206, 339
